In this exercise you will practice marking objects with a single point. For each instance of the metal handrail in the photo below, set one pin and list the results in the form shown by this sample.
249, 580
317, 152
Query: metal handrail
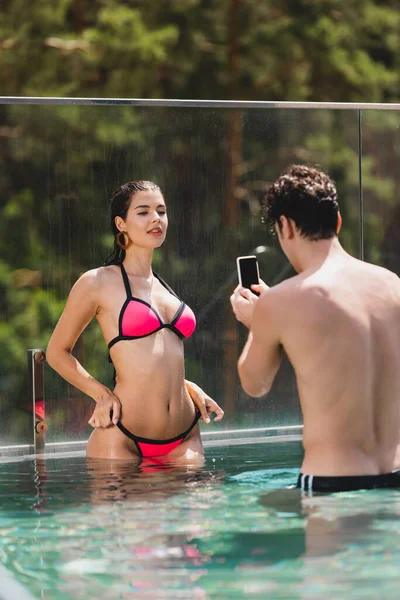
177, 103
36, 360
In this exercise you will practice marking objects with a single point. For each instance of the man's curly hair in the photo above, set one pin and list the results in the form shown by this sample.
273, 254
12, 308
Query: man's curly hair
308, 197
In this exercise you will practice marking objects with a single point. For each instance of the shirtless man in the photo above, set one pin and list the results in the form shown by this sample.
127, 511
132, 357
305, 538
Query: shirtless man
338, 321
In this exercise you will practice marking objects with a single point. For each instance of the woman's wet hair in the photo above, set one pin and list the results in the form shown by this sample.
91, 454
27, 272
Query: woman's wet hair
306, 195
119, 206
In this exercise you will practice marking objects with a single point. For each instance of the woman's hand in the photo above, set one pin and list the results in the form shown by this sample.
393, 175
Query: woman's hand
107, 411
204, 403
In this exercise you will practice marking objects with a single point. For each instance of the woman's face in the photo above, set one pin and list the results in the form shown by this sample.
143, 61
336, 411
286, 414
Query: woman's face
146, 220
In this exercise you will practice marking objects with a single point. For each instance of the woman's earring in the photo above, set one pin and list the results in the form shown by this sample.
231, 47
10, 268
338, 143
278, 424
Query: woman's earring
124, 245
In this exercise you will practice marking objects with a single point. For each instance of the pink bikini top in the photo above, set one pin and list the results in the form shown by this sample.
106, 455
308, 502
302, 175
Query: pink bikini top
138, 319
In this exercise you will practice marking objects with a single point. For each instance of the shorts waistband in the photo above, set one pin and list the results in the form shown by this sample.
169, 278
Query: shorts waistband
347, 483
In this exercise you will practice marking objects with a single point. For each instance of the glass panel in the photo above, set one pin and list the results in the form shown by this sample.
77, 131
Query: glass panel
60, 164
381, 182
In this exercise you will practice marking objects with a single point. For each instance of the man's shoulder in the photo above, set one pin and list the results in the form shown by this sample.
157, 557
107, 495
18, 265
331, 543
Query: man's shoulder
299, 294
283, 293
380, 271
288, 287
381, 280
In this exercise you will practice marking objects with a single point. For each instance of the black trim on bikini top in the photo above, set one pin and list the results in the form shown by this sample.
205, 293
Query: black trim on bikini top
129, 298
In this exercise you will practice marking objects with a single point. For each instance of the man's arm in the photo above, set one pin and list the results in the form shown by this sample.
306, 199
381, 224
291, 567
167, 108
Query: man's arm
262, 354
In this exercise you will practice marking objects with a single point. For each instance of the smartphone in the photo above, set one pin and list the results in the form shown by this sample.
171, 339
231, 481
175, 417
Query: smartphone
248, 272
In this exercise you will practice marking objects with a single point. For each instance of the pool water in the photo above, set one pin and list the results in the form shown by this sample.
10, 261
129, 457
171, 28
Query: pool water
71, 529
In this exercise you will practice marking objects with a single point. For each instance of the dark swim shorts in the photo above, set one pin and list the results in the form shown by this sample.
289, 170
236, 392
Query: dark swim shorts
316, 483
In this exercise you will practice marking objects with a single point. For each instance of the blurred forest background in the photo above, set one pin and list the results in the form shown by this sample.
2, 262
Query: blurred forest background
59, 165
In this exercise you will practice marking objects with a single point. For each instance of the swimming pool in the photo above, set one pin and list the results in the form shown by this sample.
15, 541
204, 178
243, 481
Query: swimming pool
70, 529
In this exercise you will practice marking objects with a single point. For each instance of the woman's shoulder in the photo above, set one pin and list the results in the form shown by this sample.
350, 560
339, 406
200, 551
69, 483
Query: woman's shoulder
95, 279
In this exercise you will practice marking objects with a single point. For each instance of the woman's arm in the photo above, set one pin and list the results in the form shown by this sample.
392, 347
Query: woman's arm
204, 403
82, 305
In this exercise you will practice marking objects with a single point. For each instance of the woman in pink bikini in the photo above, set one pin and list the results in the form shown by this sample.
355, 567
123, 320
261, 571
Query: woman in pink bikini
152, 411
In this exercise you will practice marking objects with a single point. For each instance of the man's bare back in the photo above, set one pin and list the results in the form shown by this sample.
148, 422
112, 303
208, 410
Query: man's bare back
338, 321
341, 333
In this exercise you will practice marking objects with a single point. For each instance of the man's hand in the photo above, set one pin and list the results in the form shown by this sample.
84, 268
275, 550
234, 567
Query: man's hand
204, 403
260, 287
243, 302
106, 405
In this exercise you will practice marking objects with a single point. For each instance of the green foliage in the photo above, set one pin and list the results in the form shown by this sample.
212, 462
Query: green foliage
304, 50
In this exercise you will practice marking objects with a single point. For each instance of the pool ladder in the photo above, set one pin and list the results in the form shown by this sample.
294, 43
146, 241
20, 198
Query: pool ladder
36, 361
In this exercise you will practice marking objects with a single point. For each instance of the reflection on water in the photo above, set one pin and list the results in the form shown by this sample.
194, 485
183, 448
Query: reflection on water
72, 528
